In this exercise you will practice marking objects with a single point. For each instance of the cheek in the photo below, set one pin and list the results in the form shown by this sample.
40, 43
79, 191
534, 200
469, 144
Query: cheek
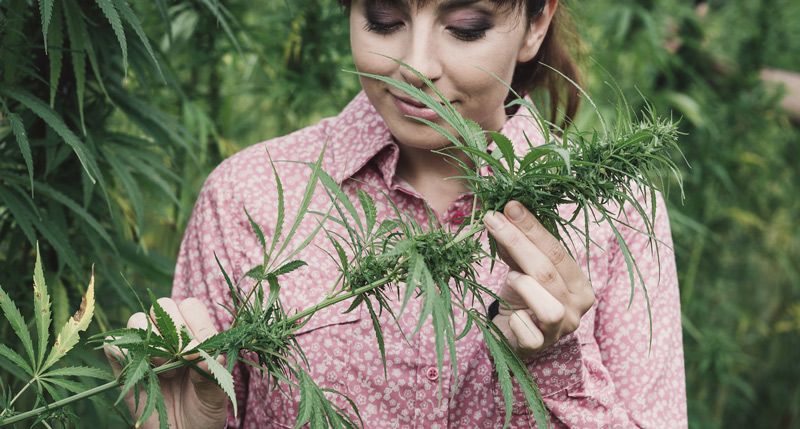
473, 70
368, 48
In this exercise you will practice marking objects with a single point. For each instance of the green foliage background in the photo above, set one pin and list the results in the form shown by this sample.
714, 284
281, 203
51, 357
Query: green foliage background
112, 114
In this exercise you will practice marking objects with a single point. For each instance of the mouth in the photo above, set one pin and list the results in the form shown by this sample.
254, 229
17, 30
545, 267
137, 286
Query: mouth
413, 108
411, 101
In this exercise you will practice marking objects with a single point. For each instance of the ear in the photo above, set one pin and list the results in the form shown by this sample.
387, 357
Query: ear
537, 30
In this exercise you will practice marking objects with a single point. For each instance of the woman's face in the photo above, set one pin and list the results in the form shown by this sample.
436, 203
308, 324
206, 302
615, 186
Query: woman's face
455, 43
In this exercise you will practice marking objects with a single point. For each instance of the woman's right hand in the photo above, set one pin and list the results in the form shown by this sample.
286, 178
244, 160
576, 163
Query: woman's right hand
192, 400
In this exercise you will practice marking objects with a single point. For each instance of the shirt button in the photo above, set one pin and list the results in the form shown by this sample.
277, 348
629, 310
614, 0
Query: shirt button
432, 374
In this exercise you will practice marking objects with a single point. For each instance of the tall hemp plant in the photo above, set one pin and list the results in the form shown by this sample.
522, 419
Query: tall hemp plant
396, 256
83, 153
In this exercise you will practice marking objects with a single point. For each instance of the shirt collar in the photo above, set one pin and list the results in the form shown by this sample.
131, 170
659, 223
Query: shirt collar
359, 135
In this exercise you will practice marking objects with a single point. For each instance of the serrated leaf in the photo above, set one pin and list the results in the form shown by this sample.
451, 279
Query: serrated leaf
46, 12
130, 17
41, 307
15, 358
70, 332
20, 206
370, 212
161, 409
289, 267
76, 29
17, 323
112, 16
223, 378
79, 371
18, 128
55, 41
153, 394
134, 372
276, 236
506, 148
165, 324
54, 121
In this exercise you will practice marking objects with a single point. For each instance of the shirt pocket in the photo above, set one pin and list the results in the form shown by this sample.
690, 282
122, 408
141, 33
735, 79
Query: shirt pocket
521, 415
327, 340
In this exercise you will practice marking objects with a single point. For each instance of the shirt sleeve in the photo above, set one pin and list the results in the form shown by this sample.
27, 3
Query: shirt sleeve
622, 377
213, 232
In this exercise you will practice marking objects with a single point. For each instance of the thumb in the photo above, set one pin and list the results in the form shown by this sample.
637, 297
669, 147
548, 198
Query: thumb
115, 356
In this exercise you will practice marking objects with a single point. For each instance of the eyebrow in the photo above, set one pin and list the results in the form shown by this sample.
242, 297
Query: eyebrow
443, 7
450, 5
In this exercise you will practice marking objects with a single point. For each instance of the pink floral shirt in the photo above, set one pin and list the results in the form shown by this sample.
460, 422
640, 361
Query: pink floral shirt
605, 374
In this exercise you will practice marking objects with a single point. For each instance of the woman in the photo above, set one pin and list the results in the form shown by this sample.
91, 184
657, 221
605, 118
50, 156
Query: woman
588, 350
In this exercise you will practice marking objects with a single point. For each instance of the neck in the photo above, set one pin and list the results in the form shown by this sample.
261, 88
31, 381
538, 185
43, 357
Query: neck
429, 173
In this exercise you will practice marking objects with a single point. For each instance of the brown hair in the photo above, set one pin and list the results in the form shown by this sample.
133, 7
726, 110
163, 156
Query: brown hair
556, 53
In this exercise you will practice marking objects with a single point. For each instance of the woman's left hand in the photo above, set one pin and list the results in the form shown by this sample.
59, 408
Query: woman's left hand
546, 293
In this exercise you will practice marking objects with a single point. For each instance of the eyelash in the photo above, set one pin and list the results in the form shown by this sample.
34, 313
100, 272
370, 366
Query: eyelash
461, 34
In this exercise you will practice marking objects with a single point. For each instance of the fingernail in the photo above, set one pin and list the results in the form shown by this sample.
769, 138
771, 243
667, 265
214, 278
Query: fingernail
512, 275
493, 220
514, 210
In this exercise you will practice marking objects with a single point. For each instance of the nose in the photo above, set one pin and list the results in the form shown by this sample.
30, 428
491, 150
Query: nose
422, 55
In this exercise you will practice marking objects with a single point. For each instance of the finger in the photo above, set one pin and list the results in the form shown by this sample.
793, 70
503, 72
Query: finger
548, 311
530, 259
529, 337
547, 244
140, 321
195, 315
115, 357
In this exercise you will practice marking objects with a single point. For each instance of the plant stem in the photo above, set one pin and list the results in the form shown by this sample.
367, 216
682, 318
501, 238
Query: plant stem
88, 393
475, 228
14, 399
337, 299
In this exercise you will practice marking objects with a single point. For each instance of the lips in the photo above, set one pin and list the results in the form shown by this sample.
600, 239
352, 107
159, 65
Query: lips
410, 101
410, 107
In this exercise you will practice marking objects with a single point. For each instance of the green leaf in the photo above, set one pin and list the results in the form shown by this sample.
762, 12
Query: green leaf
79, 371
217, 10
281, 209
15, 358
370, 212
288, 267
334, 188
76, 29
52, 119
18, 128
112, 16
17, 323
22, 210
122, 173
133, 373
70, 332
46, 11
55, 41
506, 148
76, 208
153, 394
165, 324
133, 20
223, 378
41, 308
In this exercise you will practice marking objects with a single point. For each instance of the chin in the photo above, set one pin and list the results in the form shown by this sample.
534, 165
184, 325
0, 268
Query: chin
413, 134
